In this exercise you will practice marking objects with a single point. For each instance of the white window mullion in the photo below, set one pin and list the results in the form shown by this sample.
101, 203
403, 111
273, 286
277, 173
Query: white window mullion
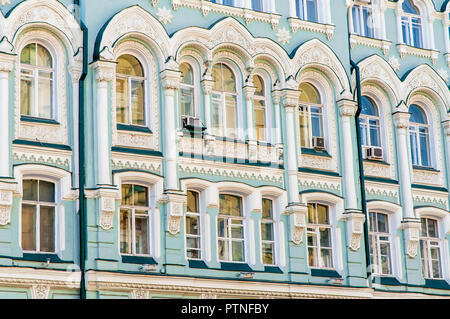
38, 226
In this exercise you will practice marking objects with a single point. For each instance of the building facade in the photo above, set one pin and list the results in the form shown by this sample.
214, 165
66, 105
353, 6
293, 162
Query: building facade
224, 149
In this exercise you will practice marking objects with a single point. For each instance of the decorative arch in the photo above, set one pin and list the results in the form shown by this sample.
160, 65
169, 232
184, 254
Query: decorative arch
133, 22
314, 53
50, 15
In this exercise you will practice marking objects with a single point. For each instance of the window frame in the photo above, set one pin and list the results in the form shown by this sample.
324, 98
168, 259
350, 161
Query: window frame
363, 25
409, 24
308, 106
367, 127
416, 132
148, 208
301, 10
37, 204
36, 70
229, 239
129, 79
200, 232
267, 108
272, 221
377, 268
427, 240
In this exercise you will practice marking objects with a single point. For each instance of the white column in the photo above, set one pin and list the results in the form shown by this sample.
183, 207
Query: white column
347, 110
349, 5
276, 96
171, 79
104, 73
6, 65
249, 92
290, 102
75, 72
401, 120
398, 12
207, 84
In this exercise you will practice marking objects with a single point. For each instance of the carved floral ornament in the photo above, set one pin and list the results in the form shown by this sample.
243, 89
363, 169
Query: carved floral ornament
297, 214
174, 211
412, 230
355, 226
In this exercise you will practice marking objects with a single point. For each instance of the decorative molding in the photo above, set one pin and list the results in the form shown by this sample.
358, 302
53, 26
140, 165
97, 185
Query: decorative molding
411, 230
40, 291
284, 36
404, 49
247, 14
394, 63
140, 294
165, 15
298, 24
6, 202
297, 213
174, 211
355, 223
107, 209
383, 45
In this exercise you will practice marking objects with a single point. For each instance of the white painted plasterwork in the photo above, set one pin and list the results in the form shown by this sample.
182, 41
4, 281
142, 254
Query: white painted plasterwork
383, 45
298, 24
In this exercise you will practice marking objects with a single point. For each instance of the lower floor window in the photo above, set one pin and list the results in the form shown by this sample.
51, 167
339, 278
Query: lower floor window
430, 249
380, 247
38, 216
134, 220
319, 237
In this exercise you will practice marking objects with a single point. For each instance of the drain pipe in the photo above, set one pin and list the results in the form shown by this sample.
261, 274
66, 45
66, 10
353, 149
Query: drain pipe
81, 151
361, 170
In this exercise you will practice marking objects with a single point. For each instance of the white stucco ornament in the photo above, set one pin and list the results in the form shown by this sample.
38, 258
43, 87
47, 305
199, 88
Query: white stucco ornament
393, 61
5, 2
165, 15
443, 73
284, 36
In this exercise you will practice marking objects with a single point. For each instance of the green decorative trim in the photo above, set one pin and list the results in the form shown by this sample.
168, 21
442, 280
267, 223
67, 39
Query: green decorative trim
308, 191
42, 144
54, 258
133, 128
235, 267
436, 284
136, 151
311, 151
120, 166
432, 188
380, 180
325, 273
26, 118
32, 159
142, 260
231, 160
197, 264
318, 171
386, 280
273, 270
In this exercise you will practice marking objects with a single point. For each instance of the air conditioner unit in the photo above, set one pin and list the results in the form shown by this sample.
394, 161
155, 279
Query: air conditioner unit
318, 143
191, 122
375, 153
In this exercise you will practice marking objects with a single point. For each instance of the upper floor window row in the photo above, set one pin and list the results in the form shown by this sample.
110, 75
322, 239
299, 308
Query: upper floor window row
257, 5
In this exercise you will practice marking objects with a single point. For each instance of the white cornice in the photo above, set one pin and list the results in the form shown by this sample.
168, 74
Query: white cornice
383, 45
298, 24
404, 49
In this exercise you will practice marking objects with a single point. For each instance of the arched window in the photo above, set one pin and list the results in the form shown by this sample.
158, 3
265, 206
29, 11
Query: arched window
187, 90
369, 123
130, 83
311, 118
230, 229
224, 101
38, 216
419, 133
320, 251
363, 22
307, 10
380, 243
411, 25
260, 106
36, 82
430, 248
268, 232
134, 220
193, 226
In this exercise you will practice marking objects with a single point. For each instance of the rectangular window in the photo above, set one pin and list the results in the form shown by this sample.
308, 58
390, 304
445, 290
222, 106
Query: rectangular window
134, 220
430, 249
320, 251
230, 229
311, 126
193, 228
380, 247
267, 233
38, 216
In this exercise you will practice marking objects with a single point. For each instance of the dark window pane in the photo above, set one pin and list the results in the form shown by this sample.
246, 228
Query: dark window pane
46, 192
140, 195
47, 229
29, 227
192, 202
30, 189
127, 194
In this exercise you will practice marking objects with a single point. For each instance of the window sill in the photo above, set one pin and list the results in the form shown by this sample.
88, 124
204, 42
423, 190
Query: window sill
235, 266
196, 263
436, 284
299, 24
425, 168
133, 128
369, 161
32, 119
273, 270
356, 39
387, 280
43, 257
248, 15
404, 49
142, 260
316, 272
311, 151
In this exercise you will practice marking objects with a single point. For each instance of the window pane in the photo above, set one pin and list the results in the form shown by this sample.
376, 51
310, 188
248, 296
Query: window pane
129, 65
46, 192
230, 205
122, 101
356, 20
30, 189
312, 214
382, 223
27, 95
322, 214
192, 225
192, 202
309, 94
414, 149
424, 155
267, 231
325, 237
222, 228
436, 268
186, 74
316, 122
187, 101
267, 253
260, 123
193, 243
217, 115
29, 227
230, 109
405, 31
44, 59
28, 55
45, 87
127, 194
312, 257
304, 129
256, 5
327, 261
142, 233
311, 8
237, 232
137, 102
267, 208
223, 250
238, 250
194, 254
432, 228
140, 195
47, 229
125, 232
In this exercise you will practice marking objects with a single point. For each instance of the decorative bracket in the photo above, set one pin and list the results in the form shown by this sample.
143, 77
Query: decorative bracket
355, 225
297, 214
411, 229
174, 210
7, 190
40, 291
107, 209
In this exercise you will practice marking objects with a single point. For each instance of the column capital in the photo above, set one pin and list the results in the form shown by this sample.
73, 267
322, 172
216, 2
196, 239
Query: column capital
276, 96
6, 62
75, 72
249, 91
207, 84
290, 98
411, 229
171, 79
175, 201
446, 125
401, 119
105, 71
347, 107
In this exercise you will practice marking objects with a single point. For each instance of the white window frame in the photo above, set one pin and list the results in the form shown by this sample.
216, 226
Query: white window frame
129, 79
35, 77
377, 268
308, 106
200, 236
359, 5
38, 211
428, 240
272, 221
133, 208
406, 19
267, 107
229, 240
416, 132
